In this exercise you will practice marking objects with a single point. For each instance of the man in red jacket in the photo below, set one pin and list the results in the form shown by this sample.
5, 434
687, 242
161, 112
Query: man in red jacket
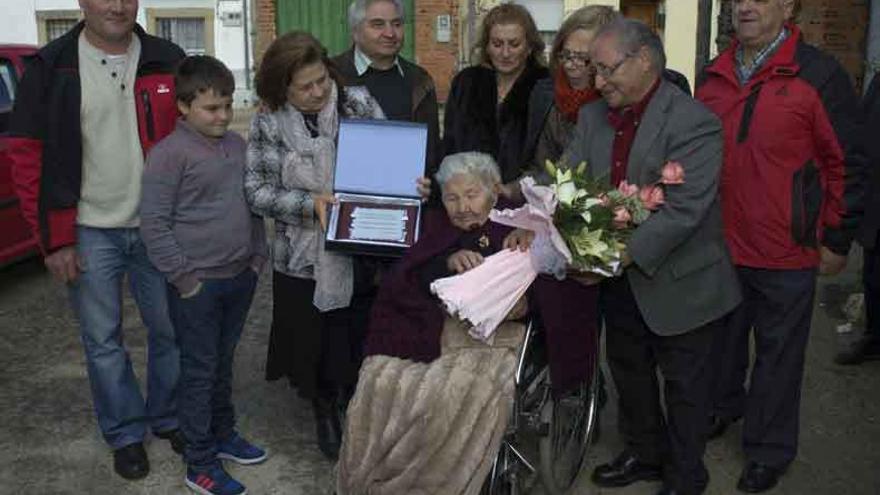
791, 193
90, 105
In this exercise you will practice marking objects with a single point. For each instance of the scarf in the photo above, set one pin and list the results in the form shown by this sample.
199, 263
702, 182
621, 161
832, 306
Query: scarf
311, 167
569, 100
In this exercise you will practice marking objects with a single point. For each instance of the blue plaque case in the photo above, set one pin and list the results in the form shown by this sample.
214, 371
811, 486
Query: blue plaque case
377, 164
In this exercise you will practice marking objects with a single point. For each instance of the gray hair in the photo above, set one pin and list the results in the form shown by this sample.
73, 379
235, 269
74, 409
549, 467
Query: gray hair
473, 163
631, 36
357, 11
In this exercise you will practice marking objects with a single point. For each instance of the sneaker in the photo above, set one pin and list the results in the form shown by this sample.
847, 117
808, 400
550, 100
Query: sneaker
239, 450
215, 481
175, 438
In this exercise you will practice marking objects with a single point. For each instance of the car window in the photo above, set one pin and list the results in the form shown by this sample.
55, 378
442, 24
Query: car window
7, 82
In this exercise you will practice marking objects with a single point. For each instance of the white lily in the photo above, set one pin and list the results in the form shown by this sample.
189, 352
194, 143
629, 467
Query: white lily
568, 193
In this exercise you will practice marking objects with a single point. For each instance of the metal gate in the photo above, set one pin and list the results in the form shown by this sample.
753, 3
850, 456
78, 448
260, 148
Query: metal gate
328, 21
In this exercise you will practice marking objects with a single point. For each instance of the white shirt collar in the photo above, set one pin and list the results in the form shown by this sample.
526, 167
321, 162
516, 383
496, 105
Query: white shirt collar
362, 62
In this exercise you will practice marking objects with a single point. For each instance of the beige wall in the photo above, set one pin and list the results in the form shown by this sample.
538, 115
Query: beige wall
576, 4
681, 36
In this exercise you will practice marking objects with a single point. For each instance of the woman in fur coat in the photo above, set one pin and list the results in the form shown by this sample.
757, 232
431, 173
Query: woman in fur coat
487, 108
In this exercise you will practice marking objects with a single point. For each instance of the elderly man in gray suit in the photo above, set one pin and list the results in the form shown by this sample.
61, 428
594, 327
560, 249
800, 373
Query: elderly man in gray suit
678, 282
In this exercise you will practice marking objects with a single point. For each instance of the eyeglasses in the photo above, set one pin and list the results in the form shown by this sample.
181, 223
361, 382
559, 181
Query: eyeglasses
605, 71
575, 58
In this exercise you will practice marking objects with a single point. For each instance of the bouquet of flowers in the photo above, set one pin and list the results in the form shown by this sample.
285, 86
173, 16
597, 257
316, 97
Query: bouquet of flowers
579, 224
596, 221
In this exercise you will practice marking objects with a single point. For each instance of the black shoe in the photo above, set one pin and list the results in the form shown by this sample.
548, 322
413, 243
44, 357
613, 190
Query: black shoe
866, 350
669, 491
327, 428
624, 470
175, 438
757, 478
718, 425
131, 461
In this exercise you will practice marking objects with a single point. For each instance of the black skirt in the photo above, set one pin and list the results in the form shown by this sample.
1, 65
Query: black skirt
319, 353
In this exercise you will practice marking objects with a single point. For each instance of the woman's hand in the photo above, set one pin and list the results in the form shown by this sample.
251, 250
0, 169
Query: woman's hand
321, 202
463, 261
423, 186
519, 239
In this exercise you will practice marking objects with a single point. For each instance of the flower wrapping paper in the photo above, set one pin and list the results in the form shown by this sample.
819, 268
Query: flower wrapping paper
484, 296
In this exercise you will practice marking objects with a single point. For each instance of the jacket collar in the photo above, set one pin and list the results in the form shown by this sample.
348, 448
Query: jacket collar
783, 62
517, 100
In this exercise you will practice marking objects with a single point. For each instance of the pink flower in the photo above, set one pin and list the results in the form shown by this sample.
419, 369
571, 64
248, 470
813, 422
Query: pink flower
622, 218
672, 173
605, 200
626, 189
651, 197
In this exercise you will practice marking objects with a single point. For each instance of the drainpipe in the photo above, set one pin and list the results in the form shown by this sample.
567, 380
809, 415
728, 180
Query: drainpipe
247, 45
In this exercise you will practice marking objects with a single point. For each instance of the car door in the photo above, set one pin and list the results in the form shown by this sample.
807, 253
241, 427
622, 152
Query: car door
16, 240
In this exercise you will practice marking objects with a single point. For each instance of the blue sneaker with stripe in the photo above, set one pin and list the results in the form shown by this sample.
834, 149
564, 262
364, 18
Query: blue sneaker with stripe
239, 450
215, 481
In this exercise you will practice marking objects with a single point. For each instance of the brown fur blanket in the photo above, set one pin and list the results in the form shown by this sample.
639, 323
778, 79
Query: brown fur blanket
430, 428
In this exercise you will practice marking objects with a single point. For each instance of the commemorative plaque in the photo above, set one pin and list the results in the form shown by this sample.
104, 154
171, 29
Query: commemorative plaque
378, 208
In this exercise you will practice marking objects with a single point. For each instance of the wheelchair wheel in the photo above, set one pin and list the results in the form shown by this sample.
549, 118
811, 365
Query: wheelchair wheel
569, 422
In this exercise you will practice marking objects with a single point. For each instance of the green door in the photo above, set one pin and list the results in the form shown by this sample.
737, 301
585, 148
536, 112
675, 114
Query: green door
328, 21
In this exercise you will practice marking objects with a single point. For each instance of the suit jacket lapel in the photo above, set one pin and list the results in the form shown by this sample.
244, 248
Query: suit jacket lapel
652, 123
600, 156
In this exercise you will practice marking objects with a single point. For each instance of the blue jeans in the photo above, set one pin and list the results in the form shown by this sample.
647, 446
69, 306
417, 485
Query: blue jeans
209, 325
109, 255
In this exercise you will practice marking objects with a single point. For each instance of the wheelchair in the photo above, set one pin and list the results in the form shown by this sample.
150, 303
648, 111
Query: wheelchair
547, 437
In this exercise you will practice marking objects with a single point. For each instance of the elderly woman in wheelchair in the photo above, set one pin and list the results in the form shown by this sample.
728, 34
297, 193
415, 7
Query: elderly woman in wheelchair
437, 411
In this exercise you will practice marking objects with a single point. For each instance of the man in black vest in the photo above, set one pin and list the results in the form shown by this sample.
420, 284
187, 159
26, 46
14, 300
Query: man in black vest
404, 90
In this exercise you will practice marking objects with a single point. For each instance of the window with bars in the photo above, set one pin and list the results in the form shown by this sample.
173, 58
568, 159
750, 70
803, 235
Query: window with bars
186, 32
55, 28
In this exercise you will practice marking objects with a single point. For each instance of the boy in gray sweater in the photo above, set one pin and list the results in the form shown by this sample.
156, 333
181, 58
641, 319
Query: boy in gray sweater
200, 233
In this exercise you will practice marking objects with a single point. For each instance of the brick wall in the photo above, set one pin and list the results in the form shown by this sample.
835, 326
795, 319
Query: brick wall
439, 59
264, 22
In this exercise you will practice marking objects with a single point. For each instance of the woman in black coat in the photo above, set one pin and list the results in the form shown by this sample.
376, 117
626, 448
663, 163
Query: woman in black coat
487, 108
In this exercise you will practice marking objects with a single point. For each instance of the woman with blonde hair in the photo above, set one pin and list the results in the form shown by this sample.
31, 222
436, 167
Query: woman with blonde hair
487, 108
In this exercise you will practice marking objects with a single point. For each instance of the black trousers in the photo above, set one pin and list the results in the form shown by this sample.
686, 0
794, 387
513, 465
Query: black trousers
319, 353
634, 353
778, 306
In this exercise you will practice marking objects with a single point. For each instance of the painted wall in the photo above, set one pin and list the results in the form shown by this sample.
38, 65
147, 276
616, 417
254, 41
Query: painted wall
681, 37
18, 24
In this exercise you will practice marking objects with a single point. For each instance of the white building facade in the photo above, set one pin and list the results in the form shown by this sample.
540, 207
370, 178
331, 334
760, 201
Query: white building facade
220, 28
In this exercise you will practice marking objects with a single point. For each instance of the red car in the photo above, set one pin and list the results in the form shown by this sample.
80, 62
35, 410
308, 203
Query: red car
16, 239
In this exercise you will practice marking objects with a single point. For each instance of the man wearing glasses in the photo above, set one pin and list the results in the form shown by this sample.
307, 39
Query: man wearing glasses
678, 283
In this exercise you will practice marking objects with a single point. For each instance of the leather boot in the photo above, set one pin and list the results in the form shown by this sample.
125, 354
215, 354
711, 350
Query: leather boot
327, 427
